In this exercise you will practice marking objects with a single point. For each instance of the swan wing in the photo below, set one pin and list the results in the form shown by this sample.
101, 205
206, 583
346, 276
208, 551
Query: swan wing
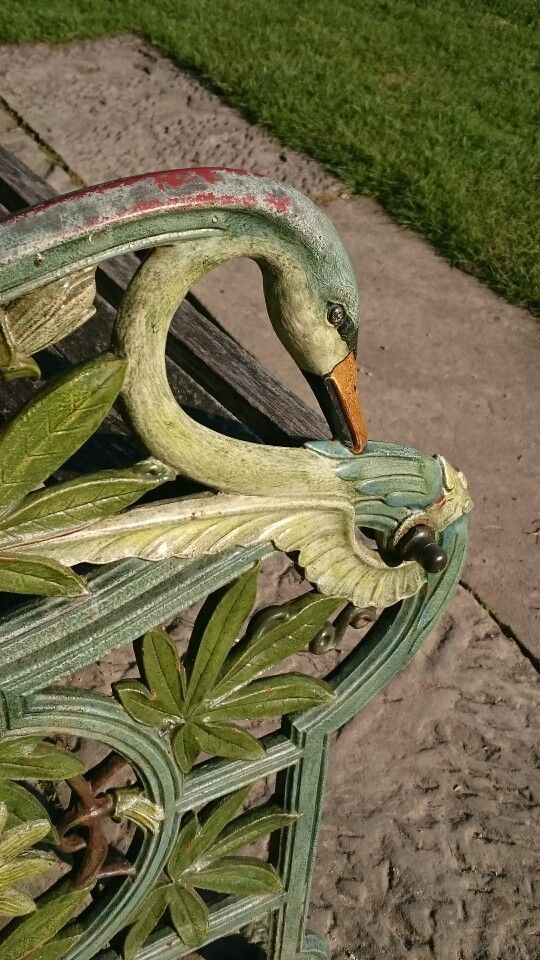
340, 565
322, 533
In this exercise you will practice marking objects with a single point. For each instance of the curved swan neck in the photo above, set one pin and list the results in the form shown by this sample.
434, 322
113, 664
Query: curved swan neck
212, 214
168, 432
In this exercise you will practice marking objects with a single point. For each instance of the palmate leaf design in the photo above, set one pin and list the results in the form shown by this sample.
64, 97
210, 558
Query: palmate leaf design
31, 758
204, 857
198, 702
46, 432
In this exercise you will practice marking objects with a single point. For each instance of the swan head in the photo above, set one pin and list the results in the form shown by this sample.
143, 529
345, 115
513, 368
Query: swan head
211, 214
312, 300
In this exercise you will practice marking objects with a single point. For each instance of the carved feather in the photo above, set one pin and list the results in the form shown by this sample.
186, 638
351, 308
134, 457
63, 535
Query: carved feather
322, 532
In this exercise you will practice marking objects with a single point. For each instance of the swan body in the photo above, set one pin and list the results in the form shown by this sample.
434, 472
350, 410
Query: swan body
306, 500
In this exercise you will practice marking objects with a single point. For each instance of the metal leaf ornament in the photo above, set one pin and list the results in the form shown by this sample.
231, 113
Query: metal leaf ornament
204, 857
38, 319
31, 758
46, 433
18, 863
38, 936
320, 530
197, 702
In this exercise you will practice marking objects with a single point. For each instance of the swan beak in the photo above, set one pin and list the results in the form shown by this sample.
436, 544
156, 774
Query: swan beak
339, 400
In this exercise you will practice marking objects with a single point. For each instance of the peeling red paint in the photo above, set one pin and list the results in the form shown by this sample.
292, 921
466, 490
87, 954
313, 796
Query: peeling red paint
165, 181
178, 178
280, 204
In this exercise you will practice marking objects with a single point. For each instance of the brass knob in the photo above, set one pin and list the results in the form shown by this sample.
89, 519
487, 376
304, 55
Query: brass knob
419, 544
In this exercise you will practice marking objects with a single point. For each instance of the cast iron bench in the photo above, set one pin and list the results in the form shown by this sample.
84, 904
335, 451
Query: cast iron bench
174, 741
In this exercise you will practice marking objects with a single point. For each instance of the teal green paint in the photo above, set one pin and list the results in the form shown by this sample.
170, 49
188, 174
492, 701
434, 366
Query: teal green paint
78, 713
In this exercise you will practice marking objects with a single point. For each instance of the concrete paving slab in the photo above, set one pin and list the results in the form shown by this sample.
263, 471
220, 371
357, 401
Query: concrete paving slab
15, 138
446, 365
148, 111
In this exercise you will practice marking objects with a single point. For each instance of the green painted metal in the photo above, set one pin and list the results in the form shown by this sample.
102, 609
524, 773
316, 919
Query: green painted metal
164, 556
77, 713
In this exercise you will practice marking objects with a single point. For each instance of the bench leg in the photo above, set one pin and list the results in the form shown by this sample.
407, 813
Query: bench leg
315, 948
300, 789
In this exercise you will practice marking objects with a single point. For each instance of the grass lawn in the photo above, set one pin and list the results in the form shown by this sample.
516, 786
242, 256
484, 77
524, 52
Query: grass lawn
431, 106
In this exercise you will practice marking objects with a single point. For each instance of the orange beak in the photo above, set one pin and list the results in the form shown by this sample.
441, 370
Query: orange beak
344, 379
337, 393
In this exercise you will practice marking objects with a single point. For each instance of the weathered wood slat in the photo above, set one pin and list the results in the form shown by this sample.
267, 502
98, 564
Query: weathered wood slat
20, 187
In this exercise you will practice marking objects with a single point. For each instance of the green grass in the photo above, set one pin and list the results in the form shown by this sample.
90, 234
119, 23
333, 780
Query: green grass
429, 106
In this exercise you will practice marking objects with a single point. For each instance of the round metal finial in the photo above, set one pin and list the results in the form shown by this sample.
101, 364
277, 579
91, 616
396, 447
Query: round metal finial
419, 544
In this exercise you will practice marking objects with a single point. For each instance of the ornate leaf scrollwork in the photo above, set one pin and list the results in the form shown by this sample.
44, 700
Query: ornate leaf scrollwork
197, 702
38, 319
31, 758
39, 936
18, 862
24, 822
205, 857
49, 430
86, 811
46, 532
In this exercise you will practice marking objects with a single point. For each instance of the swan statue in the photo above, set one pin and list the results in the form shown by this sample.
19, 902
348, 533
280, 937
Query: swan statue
310, 500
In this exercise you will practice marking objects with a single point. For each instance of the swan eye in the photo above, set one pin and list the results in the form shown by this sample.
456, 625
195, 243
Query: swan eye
336, 314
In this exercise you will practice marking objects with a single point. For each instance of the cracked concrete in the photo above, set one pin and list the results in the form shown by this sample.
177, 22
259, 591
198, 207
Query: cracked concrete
437, 858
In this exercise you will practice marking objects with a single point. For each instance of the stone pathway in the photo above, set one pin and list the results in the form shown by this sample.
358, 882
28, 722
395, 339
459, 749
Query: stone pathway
436, 780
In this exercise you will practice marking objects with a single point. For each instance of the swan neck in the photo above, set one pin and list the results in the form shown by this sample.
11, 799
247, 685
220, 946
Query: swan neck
192, 449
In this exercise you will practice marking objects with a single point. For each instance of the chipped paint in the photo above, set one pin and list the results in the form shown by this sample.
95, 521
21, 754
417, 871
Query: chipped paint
84, 227
168, 188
